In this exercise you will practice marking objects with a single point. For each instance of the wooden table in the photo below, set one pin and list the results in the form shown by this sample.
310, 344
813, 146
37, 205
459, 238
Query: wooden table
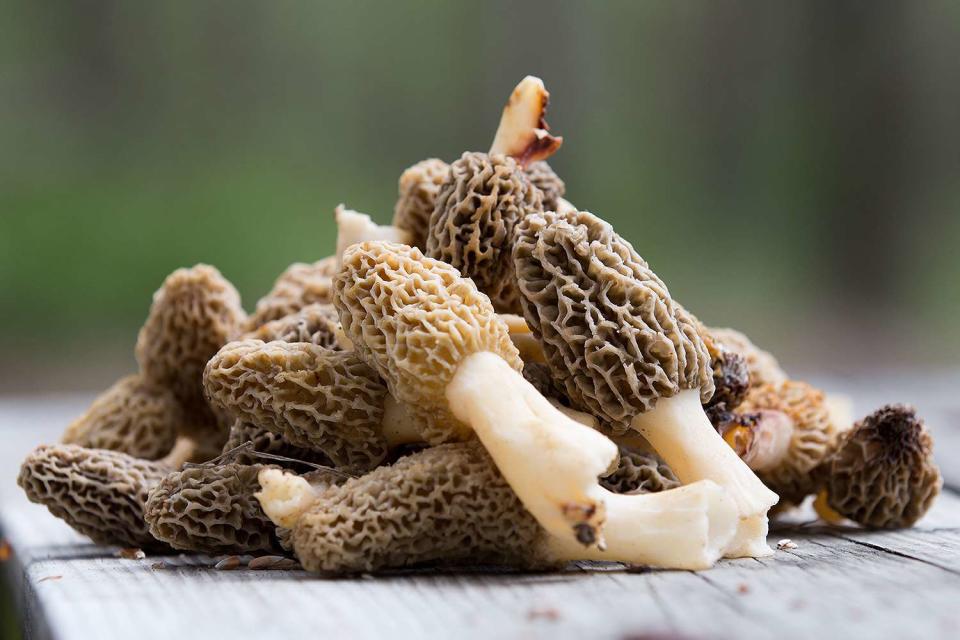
836, 582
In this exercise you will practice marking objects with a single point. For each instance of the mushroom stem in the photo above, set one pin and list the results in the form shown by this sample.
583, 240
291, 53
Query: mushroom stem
399, 425
354, 227
523, 132
681, 433
552, 463
284, 496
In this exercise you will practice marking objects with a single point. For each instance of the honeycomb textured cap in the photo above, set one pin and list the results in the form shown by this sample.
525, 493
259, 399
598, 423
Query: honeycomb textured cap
812, 440
610, 331
299, 285
542, 176
640, 472
194, 313
446, 504
99, 493
419, 186
314, 323
763, 367
328, 401
415, 319
211, 509
133, 416
263, 441
882, 474
731, 379
472, 224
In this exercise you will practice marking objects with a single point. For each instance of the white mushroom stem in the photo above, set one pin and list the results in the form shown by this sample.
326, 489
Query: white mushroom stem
552, 463
354, 227
284, 496
523, 132
681, 433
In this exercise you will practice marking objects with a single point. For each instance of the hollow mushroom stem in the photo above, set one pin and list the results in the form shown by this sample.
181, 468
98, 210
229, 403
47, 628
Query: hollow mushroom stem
552, 464
681, 433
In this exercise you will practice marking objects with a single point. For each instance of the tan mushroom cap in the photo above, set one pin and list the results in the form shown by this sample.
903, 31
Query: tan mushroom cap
446, 504
763, 366
257, 440
315, 323
301, 284
99, 493
811, 440
414, 319
610, 330
883, 474
418, 189
640, 472
472, 224
133, 416
329, 401
211, 509
542, 176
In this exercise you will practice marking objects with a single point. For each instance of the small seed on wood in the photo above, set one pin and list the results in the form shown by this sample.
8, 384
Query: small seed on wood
228, 564
131, 554
272, 562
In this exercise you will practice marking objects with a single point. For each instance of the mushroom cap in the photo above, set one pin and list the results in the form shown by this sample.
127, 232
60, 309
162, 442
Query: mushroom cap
264, 441
194, 313
731, 379
472, 224
811, 441
763, 367
414, 319
211, 509
610, 331
446, 504
640, 472
133, 416
299, 285
99, 493
315, 323
418, 189
882, 474
541, 175
328, 401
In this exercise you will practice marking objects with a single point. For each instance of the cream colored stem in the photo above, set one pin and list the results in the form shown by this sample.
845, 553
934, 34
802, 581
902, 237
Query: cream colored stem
552, 463
680, 432
399, 426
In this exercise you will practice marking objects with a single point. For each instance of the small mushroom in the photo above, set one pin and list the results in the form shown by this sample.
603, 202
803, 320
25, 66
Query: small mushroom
882, 473
419, 186
629, 354
301, 284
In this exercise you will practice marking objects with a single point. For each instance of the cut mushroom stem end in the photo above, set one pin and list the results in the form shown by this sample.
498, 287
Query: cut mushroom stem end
552, 463
284, 496
523, 132
681, 433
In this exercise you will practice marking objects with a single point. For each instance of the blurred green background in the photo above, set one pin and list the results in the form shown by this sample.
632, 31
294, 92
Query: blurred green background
792, 169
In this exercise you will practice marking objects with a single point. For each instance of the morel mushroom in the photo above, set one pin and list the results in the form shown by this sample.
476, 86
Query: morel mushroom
763, 367
419, 186
133, 416
99, 493
471, 227
552, 188
301, 284
640, 472
626, 352
250, 444
314, 323
882, 473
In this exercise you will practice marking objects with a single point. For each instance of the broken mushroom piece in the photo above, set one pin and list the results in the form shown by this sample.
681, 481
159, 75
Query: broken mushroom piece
99, 493
471, 227
626, 352
882, 473
133, 416
301, 284
354, 227
523, 132
419, 186
315, 323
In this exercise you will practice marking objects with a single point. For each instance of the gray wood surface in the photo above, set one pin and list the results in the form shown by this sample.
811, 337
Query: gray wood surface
837, 582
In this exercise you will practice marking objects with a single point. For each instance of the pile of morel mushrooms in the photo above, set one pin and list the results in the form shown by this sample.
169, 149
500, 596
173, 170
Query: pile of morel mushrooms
497, 377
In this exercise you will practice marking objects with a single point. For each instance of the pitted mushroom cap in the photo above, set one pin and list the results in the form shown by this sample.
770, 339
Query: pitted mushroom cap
133, 416
883, 474
315, 323
813, 434
194, 313
731, 379
640, 472
472, 224
329, 401
446, 504
264, 441
99, 493
414, 319
610, 331
419, 186
542, 176
299, 285
211, 509
763, 367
